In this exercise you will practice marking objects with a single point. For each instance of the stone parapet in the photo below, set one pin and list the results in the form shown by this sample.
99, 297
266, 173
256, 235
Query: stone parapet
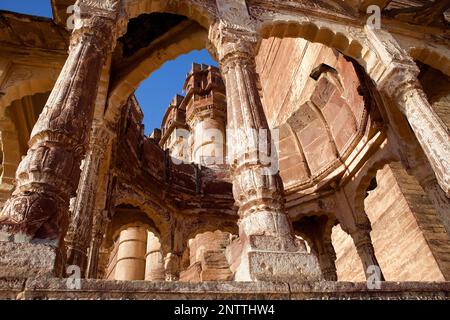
46, 288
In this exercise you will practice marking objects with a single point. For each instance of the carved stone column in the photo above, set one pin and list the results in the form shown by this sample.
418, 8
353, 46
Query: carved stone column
78, 237
405, 90
154, 265
363, 242
131, 254
48, 176
269, 250
209, 137
356, 223
395, 73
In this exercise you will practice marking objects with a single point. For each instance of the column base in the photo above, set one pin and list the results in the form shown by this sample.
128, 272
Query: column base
277, 265
24, 260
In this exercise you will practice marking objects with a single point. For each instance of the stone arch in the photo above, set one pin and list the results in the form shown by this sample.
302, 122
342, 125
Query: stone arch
15, 127
120, 92
434, 58
311, 214
27, 87
115, 244
315, 228
199, 247
339, 38
193, 227
203, 12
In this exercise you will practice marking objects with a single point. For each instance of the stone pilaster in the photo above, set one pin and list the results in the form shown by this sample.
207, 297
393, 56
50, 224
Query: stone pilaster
48, 176
327, 258
99, 224
78, 237
269, 250
131, 254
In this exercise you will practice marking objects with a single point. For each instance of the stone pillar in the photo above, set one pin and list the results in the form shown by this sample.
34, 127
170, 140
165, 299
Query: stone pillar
10, 149
154, 265
78, 237
48, 176
327, 258
366, 252
269, 251
131, 254
403, 87
100, 222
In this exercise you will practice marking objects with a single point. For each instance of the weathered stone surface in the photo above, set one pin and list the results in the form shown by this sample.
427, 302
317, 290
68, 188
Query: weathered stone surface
10, 288
23, 260
101, 289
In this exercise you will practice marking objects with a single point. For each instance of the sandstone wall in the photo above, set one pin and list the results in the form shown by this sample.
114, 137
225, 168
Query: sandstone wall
405, 231
437, 87
409, 241
284, 66
311, 94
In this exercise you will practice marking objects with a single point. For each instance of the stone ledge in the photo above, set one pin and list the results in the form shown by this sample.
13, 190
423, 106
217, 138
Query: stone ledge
45, 288
11, 287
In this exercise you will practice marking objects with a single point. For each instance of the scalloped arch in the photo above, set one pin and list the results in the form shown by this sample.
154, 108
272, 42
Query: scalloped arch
434, 58
200, 11
25, 88
339, 38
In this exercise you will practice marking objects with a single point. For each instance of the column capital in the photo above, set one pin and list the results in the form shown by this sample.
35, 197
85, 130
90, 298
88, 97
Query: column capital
97, 22
399, 81
229, 44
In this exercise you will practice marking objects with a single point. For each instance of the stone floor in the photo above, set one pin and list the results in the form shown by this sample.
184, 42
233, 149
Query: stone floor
45, 288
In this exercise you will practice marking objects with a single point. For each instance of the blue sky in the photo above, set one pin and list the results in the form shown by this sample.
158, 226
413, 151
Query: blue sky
155, 93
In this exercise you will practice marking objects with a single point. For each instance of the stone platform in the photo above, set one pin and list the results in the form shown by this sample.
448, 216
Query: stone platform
45, 288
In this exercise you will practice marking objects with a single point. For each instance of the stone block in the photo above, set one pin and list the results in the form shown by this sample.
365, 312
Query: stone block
24, 260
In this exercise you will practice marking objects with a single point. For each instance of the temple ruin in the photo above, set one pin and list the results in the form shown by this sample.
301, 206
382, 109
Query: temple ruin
313, 162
